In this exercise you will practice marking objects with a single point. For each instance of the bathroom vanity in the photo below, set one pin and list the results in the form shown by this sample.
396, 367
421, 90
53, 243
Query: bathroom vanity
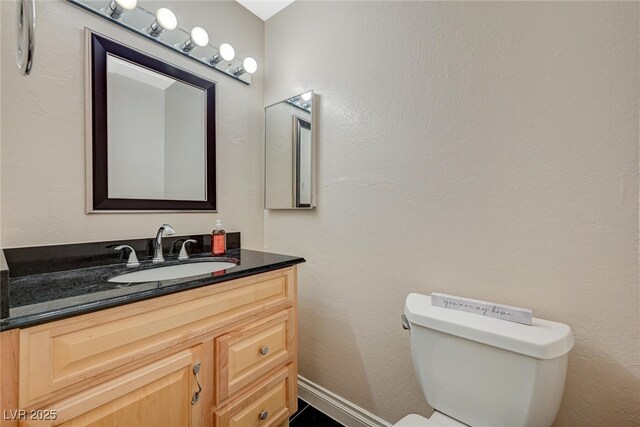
217, 351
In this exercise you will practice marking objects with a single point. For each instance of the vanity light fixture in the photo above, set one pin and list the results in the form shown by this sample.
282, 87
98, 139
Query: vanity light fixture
225, 52
117, 7
306, 96
198, 37
162, 27
165, 20
249, 65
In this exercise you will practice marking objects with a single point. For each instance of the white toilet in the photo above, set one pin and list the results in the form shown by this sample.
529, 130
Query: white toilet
484, 372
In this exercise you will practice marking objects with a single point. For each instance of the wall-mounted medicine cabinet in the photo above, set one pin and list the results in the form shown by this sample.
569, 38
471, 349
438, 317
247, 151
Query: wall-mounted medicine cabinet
290, 153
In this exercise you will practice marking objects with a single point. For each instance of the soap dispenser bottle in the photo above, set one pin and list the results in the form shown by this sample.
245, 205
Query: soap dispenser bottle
218, 240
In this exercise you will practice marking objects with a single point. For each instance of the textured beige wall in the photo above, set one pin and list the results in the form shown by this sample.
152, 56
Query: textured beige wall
488, 150
42, 135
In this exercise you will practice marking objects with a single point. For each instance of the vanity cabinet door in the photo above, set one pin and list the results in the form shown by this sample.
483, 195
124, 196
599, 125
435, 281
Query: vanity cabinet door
159, 394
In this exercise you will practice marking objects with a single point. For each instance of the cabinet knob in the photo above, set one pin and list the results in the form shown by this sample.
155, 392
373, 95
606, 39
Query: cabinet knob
263, 415
264, 350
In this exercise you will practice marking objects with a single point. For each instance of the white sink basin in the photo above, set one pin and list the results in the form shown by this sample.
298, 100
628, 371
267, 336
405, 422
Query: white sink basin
172, 272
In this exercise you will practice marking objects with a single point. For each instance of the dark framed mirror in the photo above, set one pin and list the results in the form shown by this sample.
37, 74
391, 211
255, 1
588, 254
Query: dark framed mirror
151, 134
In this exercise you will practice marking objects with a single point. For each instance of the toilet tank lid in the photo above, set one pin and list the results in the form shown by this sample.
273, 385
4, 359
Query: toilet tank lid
542, 340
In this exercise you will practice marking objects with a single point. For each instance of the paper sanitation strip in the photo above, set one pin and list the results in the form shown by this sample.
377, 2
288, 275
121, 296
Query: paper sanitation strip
483, 308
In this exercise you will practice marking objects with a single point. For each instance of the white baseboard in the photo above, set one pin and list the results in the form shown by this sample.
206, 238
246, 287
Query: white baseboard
337, 407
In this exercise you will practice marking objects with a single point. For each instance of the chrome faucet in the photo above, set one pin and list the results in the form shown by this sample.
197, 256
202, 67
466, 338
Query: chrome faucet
157, 244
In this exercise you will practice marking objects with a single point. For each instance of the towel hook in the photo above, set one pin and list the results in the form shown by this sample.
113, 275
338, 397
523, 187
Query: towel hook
26, 35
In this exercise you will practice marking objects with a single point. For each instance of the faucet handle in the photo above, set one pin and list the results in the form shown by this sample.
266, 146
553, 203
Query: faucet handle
132, 261
183, 251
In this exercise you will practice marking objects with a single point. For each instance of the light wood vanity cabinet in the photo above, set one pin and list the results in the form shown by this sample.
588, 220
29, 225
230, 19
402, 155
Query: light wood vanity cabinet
220, 355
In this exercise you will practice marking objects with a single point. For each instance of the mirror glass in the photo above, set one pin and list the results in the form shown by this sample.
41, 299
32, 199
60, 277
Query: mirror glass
151, 144
290, 153
155, 135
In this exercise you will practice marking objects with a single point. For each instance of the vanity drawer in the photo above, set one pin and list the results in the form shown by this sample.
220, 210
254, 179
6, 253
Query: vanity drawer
266, 405
71, 352
248, 353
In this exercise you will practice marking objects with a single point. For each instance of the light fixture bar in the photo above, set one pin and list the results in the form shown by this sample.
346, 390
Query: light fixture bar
161, 27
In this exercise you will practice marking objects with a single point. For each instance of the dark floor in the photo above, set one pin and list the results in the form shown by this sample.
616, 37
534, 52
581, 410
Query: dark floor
308, 416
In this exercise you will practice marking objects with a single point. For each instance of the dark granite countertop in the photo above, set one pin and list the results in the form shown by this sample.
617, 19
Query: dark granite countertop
44, 297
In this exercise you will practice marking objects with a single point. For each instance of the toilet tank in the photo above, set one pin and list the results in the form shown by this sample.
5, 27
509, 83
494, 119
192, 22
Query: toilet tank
488, 372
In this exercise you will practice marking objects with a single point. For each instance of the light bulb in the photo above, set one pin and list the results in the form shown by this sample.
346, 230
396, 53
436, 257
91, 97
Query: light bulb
227, 52
127, 4
199, 36
306, 96
250, 65
117, 7
165, 20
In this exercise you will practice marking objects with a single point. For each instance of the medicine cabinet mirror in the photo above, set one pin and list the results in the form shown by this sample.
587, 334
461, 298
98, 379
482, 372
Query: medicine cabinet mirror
290, 147
151, 134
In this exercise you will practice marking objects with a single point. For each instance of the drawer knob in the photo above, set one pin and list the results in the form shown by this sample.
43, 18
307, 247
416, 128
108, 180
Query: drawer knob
264, 350
263, 415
